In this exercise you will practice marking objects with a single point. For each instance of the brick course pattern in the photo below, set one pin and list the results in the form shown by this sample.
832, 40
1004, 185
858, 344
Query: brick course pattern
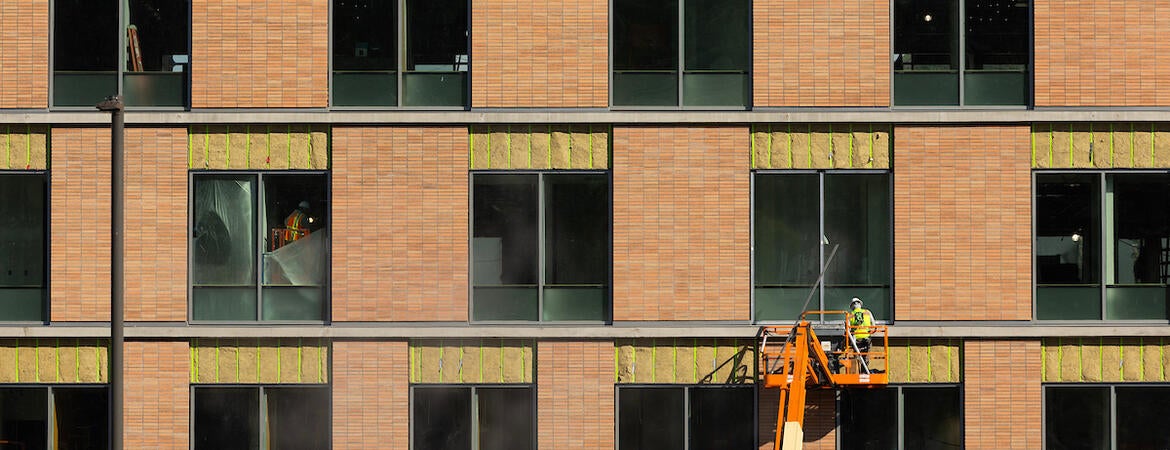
540, 54
962, 223
834, 54
157, 395
400, 216
371, 395
156, 224
1002, 381
1102, 53
259, 54
79, 259
820, 419
681, 223
575, 395
24, 54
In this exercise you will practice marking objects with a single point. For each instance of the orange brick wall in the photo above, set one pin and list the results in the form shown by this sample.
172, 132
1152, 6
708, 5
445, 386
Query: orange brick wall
1001, 398
259, 54
24, 54
158, 395
400, 211
548, 54
1102, 53
833, 53
79, 257
156, 224
371, 395
962, 223
575, 395
681, 223
820, 419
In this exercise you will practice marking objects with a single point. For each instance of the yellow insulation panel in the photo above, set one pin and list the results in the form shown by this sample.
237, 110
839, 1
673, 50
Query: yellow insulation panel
1101, 145
685, 361
1105, 360
820, 146
258, 147
488, 361
922, 361
269, 361
24, 147
539, 146
53, 360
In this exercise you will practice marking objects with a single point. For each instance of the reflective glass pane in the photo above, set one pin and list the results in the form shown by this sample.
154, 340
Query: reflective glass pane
84, 89
365, 35
223, 239
722, 418
931, 418
869, 419
434, 88
1141, 417
22, 246
437, 36
506, 418
298, 417
504, 230
1139, 239
157, 57
505, 303
441, 418
85, 41
857, 221
82, 418
875, 299
997, 52
1068, 217
1135, 303
24, 416
717, 35
223, 303
576, 220
1076, 418
1068, 303
226, 418
787, 243
715, 89
567, 303
640, 88
293, 303
155, 88
926, 42
365, 88
784, 303
651, 418
645, 35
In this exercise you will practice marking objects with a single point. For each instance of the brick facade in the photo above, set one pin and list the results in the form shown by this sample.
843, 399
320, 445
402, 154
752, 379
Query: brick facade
1002, 404
157, 395
834, 53
259, 54
820, 419
156, 224
681, 231
575, 395
390, 266
540, 54
962, 223
1102, 53
24, 54
371, 395
79, 259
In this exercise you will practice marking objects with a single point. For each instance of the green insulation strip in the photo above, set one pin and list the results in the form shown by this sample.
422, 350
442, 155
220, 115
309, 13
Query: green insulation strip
950, 349
194, 363
695, 357
810, 149
589, 129
569, 150
830, 144
300, 372
508, 141
1142, 358
471, 147
1081, 357
8, 147
441, 348
461, 360
907, 361
1111, 164
278, 355
206, 146
1043, 363
633, 365
321, 361
28, 146
267, 152
414, 364
248, 150
524, 363
227, 148
481, 361
16, 364
257, 361
97, 368
1162, 357
674, 364
489, 146
1091, 156
1120, 359
1051, 145
871, 145
771, 143
1152, 138
752, 155
217, 380
616, 368
77, 357
530, 147
850, 145
1101, 353
1033, 146
190, 148
309, 132
929, 370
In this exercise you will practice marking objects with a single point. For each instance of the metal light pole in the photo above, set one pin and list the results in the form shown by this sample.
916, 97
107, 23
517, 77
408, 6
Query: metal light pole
114, 106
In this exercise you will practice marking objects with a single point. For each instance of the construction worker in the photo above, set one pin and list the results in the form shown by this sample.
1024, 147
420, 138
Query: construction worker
860, 319
296, 226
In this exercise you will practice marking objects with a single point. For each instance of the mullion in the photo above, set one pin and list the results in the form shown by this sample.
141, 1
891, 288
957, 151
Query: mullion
821, 241
259, 199
541, 250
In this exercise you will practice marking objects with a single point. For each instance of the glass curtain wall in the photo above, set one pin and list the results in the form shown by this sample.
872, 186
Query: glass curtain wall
23, 245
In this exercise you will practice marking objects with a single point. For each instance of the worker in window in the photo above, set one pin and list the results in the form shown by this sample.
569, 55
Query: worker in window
860, 321
296, 225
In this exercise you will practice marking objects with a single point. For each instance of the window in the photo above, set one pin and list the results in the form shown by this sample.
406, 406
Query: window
540, 246
369, 37
686, 417
23, 219
901, 418
799, 218
715, 38
260, 417
962, 52
259, 246
1102, 245
1106, 417
153, 66
64, 417
445, 417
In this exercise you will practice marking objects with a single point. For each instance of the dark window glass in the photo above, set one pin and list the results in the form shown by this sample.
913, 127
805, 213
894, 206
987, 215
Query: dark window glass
869, 419
577, 247
645, 52
1068, 214
298, 417
24, 416
226, 418
716, 54
290, 259
365, 53
857, 218
22, 246
1076, 418
505, 247
721, 418
1137, 261
441, 418
85, 51
931, 418
787, 247
997, 52
437, 59
651, 418
82, 418
157, 59
506, 418
1141, 417
926, 52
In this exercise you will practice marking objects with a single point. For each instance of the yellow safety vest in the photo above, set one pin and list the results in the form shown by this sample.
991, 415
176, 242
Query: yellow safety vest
862, 319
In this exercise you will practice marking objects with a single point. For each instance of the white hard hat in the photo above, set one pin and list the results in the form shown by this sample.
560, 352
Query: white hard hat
855, 300
304, 204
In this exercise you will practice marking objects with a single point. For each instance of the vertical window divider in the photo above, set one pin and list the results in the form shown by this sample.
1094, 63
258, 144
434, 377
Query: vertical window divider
1103, 277
259, 199
262, 426
681, 48
474, 409
1113, 416
400, 58
962, 50
686, 417
821, 240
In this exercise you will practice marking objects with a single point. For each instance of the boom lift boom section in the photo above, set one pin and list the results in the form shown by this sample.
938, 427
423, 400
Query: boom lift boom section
795, 360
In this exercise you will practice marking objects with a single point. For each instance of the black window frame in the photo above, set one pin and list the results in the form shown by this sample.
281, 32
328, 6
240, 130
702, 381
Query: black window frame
259, 198
121, 71
50, 396
401, 22
901, 409
686, 415
541, 263
1111, 416
472, 392
263, 412
46, 226
818, 301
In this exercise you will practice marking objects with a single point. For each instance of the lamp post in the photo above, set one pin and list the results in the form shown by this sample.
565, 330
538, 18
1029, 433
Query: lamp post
114, 106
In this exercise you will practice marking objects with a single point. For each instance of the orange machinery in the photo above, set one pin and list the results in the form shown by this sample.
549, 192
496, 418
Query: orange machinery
795, 360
